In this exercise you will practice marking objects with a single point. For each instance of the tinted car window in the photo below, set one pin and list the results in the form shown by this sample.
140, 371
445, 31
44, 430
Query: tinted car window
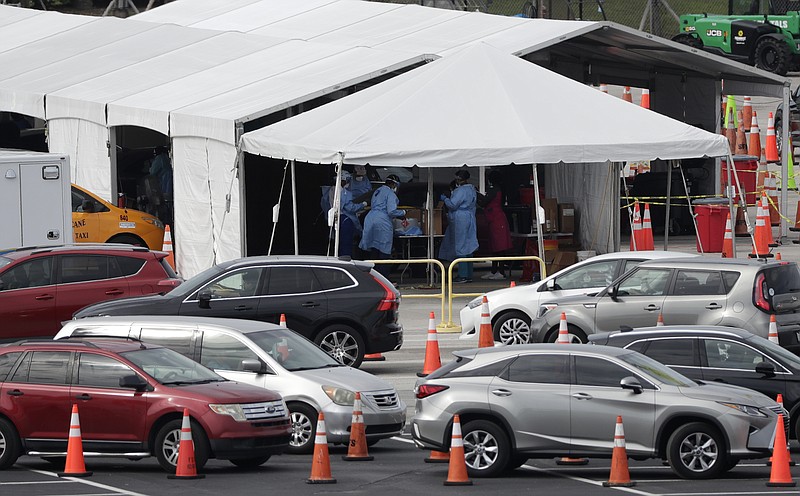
292, 280
673, 351
101, 371
7, 361
645, 282
77, 268
698, 282
637, 346
129, 266
547, 369
179, 340
31, 274
630, 264
332, 278
220, 351
239, 284
590, 275
729, 279
492, 369
44, 367
783, 279
730, 355
591, 371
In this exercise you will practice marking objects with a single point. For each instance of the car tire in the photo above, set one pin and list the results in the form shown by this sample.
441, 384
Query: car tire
576, 335
168, 443
772, 56
487, 449
512, 328
343, 343
9, 444
304, 428
687, 39
778, 133
250, 462
708, 462
127, 239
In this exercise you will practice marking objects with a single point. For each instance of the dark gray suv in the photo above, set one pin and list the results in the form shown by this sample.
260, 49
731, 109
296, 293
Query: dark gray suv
699, 290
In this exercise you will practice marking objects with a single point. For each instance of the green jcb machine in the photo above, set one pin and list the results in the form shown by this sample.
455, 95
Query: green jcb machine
763, 33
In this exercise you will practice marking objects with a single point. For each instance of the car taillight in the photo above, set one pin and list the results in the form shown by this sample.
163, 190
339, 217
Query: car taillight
428, 389
760, 293
389, 300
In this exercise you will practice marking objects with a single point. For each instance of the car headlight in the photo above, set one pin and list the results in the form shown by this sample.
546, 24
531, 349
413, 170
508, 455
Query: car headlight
154, 221
234, 411
543, 309
746, 409
340, 396
475, 303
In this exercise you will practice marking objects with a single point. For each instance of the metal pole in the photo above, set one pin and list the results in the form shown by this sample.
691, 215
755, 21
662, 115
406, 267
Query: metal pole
784, 200
294, 209
430, 225
669, 202
539, 236
337, 202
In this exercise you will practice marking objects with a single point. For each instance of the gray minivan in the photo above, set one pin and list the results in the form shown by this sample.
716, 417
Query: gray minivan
272, 357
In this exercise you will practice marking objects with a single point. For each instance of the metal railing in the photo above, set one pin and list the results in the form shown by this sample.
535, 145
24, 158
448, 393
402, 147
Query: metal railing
440, 295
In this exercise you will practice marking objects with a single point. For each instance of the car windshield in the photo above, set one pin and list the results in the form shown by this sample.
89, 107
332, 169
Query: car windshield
776, 351
292, 351
170, 367
655, 370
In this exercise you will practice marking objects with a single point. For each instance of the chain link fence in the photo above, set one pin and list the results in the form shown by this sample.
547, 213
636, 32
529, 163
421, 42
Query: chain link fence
659, 17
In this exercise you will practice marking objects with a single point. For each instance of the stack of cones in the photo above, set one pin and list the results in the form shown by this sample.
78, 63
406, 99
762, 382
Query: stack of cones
167, 247
730, 131
780, 475
457, 471
486, 335
620, 476
636, 228
754, 147
321, 463
727, 241
773, 329
74, 466
741, 138
645, 98
186, 467
647, 230
747, 110
432, 357
357, 448
626, 94
771, 147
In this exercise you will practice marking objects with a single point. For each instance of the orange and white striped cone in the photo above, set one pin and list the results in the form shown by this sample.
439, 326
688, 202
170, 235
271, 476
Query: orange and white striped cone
357, 447
563, 330
457, 471
486, 335
754, 146
167, 247
186, 467
779, 400
780, 475
433, 359
321, 462
760, 248
747, 110
282, 322
645, 98
741, 137
766, 212
660, 321
620, 476
648, 243
74, 466
438, 457
771, 147
626, 94
773, 329
636, 228
727, 241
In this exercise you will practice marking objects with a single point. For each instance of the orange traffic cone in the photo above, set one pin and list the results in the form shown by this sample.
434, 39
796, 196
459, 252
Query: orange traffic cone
645, 98
754, 147
636, 228
321, 463
374, 357
773, 329
167, 247
438, 457
186, 468
779, 475
765, 211
647, 230
760, 244
773, 214
778, 256
457, 471
660, 321
779, 400
432, 358
283, 320
619, 460
730, 132
603, 87
741, 138
626, 94
563, 330
727, 241
486, 335
771, 151
747, 110
514, 285
74, 466
357, 448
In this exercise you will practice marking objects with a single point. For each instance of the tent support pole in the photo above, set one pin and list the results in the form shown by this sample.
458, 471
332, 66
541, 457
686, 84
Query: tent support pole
784, 199
337, 201
691, 208
729, 193
429, 205
539, 236
669, 203
294, 209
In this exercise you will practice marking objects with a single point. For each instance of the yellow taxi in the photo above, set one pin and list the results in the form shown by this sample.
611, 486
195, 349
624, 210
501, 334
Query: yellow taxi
95, 220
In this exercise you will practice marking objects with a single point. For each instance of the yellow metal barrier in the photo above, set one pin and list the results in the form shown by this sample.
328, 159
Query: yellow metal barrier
439, 295
449, 326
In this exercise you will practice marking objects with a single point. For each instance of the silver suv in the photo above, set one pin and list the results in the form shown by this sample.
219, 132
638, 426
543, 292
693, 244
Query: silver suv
545, 400
698, 290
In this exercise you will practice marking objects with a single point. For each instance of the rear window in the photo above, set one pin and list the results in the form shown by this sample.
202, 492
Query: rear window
7, 361
783, 279
129, 266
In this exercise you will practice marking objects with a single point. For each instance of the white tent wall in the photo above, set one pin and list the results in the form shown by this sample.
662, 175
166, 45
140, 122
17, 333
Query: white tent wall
85, 143
589, 187
203, 175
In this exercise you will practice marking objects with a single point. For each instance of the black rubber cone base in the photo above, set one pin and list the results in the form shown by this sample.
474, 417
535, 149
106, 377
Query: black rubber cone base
74, 474
189, 477
456, 483
781, 484
357, 458
572, 461
321, 481
619, 484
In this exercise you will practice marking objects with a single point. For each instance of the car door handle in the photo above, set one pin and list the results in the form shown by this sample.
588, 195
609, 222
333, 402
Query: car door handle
713, 306
582, 396
15, 392
44, 297
652, 307
83, 396
309, 304
242, 307
114, 292
501, 392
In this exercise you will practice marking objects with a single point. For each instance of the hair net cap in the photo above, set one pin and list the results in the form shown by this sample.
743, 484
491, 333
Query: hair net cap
462, 174
393, 178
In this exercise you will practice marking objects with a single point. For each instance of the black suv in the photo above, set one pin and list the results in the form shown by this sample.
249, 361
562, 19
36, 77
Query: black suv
719, 354
345, 306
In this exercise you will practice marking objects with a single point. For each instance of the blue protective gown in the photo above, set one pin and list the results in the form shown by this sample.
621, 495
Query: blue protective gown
378, 229
447, 249
462, 205
359, 188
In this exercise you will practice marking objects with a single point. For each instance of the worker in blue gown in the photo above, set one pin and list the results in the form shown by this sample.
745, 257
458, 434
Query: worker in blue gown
349, 224
462, 204
360, 185
378, 232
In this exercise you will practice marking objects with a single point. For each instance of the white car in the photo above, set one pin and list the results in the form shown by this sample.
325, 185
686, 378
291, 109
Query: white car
512, 309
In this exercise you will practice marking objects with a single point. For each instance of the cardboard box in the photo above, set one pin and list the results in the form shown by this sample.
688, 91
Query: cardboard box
437, 221
561, 260
550, 206
566, 218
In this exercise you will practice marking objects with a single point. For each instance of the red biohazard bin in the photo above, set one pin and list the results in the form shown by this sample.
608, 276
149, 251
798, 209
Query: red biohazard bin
710, 226
746, 166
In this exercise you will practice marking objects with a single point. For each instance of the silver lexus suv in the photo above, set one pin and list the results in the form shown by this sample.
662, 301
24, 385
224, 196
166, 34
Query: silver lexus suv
546, 400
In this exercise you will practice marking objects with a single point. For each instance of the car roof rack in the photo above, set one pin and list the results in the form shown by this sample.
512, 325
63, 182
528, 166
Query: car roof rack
625, 328
79, 335
28, 342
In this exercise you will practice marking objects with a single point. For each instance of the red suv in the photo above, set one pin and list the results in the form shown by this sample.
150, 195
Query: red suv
130, 397
42, 287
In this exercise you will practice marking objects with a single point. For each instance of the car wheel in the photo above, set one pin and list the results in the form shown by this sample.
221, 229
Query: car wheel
486, 449
168, 442
9, 444
576, 335
343, 343
696, 451
127, 239
772, 55
250, 462
512, 328
304, 428
688, 39
779, 133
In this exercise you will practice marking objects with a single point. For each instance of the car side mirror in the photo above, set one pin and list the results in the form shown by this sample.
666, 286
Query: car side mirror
256, 366
204, 299
612, 292
631, 383
551, 284
133, 382
766, 369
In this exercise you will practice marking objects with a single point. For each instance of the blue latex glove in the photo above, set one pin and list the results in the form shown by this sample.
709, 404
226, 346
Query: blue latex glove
442, 197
